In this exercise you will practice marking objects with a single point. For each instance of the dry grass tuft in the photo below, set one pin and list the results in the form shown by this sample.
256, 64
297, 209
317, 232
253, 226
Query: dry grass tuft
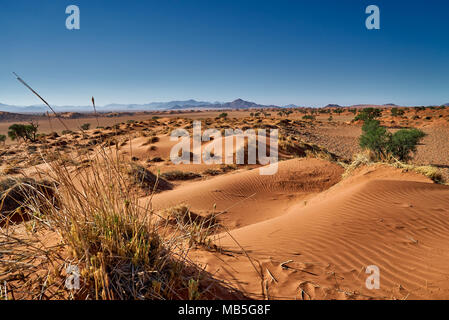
146, 180
18, 194
366, 159
179, 175
100, 226
431, 172
359, 160
197, 228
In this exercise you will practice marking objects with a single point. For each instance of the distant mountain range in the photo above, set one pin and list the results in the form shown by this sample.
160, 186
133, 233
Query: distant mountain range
153, 106
160, 106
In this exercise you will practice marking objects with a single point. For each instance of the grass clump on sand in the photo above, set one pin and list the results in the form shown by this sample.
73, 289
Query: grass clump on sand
179, 175
145, 179
394, 149
15, 197
431, 172
367, 158
294, 147
102, 228
197, 228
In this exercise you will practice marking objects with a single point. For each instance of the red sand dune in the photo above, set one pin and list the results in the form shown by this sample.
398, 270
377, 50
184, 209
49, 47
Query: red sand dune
379, 216
248, 197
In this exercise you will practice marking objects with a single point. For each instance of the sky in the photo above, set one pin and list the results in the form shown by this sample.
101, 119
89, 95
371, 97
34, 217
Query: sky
310, 52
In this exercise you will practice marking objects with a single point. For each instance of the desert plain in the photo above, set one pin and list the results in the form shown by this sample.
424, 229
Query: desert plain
311, 231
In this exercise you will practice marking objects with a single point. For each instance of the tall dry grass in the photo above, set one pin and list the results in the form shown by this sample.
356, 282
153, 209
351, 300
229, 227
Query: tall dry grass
95, 220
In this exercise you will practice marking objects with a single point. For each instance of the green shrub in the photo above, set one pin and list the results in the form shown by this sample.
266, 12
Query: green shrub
85, 126
397, 112
27, 132
374, 138
382, 143
308, 117
403, 142
179, 175
368, 114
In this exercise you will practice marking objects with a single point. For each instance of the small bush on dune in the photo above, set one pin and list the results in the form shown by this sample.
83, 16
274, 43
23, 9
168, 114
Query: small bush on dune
400, 145
397, 112
179, 175
374, 138
85, 126
212, 172
309, 117
403, 142
26, 132
392, 149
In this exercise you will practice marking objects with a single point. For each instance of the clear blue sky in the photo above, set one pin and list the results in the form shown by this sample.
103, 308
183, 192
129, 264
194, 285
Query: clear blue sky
273, 52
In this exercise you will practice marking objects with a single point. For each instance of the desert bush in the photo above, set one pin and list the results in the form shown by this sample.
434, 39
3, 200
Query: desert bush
2, 138
366, 159
403, 142
368, 114
383, 144
179, 175
26, 132
358, 160
145, 179
85, 126
308, 117
228, 167
198, 228
212, 172
17, 195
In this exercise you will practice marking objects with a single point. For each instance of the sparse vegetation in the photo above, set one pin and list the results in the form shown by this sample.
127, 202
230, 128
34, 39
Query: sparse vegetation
374, 138
145, 179
120, 248
308, 117
198, 228
179, 175
17, 195
383, 144
397, 112
368, 114
26, 132
85, 126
